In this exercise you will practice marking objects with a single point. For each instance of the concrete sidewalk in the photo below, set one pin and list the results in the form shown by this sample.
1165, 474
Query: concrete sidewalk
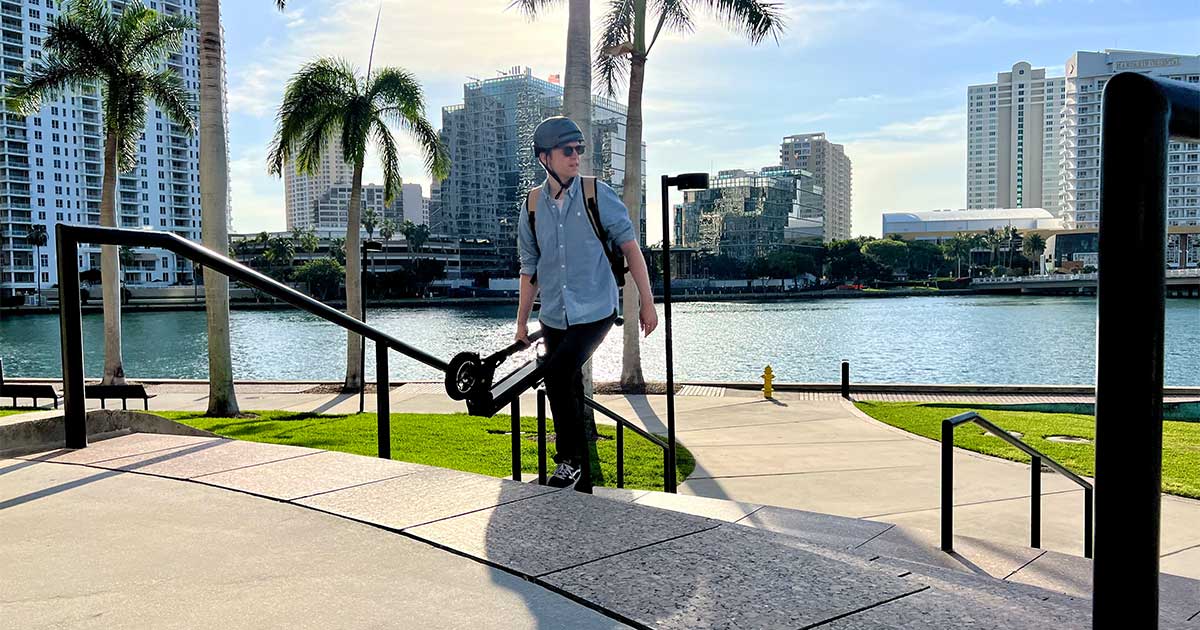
820, 455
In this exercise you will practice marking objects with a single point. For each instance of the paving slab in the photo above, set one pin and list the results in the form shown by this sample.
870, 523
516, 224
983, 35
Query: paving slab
124, 446
205, 459
973, 555
837, 532
422, 497
558, 530
729, 577
322, 472
718, 509
1185, 562
129, 551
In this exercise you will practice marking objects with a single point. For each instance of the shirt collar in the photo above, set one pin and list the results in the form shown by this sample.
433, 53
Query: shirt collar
571, 190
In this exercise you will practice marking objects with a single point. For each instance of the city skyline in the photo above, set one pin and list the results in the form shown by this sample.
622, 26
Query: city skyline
884, 78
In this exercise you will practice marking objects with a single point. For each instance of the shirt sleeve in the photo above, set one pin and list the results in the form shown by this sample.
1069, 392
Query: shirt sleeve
526, 246
614, 215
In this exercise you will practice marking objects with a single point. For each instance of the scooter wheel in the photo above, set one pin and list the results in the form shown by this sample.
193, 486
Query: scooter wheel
462, 376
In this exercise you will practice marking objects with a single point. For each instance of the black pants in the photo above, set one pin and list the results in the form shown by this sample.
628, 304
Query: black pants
566, 352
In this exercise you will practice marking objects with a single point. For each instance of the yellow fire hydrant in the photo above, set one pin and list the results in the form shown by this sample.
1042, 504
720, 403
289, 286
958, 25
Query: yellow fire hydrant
767, 377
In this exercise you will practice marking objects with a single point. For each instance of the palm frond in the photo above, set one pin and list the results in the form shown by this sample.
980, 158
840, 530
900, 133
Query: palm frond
166, 88
315, 139
753, 18
313, 91
533, 8
389, 155
437, 158
83, 34
47, 80
135, 17
125, 113
158, 37
676, 15
395, 88
611, 71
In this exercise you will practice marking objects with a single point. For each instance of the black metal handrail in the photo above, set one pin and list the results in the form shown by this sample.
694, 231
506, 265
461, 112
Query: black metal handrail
622, 423
1035, 483
68, 238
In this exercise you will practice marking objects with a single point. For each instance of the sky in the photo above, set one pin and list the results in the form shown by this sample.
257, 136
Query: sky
885, 78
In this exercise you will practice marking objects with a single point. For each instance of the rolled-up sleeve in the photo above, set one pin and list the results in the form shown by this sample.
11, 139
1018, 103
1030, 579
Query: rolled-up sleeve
614, 216
526, 245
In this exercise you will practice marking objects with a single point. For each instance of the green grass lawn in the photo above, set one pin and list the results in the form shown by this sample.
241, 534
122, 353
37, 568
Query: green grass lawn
1181, 440
8, 411
458, 441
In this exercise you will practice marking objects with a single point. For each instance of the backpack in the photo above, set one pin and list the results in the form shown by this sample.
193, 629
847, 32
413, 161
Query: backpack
616, 260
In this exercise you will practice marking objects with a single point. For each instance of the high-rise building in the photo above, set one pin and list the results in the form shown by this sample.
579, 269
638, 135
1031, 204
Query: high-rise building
414, 205
831, 166
490, 140
748, 214
304, 192
331, 210
1079, 178
1012, 126
52, 164
425, 205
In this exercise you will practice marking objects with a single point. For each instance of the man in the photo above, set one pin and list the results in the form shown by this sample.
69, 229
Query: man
578, 290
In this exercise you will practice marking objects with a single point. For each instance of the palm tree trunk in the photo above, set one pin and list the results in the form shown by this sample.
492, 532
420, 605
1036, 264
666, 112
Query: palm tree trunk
631, 357
577, 105
214, 210
354, 344
110, 267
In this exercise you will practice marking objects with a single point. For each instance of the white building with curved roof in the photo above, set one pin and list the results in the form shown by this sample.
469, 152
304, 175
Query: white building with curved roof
937, 224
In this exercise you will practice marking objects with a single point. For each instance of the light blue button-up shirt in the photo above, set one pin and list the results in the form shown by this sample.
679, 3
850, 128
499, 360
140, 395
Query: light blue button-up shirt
573, 275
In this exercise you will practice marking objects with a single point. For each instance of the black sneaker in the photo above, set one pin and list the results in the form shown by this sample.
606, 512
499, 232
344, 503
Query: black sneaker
564, 476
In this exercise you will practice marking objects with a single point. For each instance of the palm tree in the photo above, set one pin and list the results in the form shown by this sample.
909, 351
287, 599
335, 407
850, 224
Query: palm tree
1011, 234
87, 43
387, 229
1033, 247
370, 221
37, 237
307, 240
992, 239
328, 97
621, 55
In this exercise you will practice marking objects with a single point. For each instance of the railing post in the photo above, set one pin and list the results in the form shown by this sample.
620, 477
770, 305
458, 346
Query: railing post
516, 438
383, 414
620, 455
666, 467
1035, 506
947, 486
1088, 516
70, 315
541, 408
846, 380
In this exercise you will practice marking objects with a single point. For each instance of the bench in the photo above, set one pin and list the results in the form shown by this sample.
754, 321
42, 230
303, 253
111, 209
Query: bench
36, 392
124, 392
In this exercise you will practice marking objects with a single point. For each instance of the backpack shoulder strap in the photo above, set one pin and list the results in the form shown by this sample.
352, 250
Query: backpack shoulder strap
593, 210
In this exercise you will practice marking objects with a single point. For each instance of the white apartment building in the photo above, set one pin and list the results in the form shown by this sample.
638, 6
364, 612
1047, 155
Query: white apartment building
425, 203
1079, 138
413, 204
331, 210
52, 162
1012, 148
303, 192
831, 166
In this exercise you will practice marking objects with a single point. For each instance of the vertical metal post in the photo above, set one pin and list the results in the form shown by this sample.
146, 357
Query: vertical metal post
1129, 351
669, 482
1035, 506
846, 379
541, 406
947, 486
382, 400
516, 438
620, 454
1088, 511
362, 356
70, 316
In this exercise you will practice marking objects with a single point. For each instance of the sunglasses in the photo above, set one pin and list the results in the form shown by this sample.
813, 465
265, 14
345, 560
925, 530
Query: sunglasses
570, 150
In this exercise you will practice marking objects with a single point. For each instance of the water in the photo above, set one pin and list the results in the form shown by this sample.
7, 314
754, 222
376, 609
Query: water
982, 339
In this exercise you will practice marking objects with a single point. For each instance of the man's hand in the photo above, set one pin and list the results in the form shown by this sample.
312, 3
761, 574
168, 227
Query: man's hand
522, 335
648, 317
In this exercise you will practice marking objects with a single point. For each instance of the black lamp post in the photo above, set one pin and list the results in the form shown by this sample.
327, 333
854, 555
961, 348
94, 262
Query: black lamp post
686, 181
367, 246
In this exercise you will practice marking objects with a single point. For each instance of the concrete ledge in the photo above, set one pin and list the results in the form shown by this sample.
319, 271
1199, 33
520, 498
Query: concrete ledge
20, 437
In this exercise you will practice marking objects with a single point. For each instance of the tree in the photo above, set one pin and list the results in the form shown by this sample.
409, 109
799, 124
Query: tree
321, 275
888, 253
1033, 247
38, 238
328, 97
414, 235
370, 221
307, 240
992, 239
621, 55
337, 249
87, 43
387, 229
280, 254
1011, 234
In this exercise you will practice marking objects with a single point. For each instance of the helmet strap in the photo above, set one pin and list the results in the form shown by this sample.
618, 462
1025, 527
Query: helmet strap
561, 185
